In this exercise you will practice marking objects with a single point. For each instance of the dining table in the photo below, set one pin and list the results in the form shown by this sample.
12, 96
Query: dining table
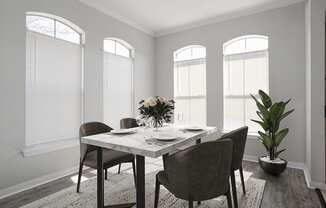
142, 142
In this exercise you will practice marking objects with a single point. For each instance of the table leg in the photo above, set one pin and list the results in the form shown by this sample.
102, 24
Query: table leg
100, 181
140, 163
100, 184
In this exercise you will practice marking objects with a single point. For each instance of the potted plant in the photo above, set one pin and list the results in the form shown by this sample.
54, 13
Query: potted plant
271, 114
156, 110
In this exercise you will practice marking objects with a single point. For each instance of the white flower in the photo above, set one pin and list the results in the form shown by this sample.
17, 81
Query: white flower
162, 99
146, 103
152, 102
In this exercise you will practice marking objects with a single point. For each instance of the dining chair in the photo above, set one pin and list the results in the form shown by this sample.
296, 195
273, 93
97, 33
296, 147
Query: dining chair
239, 138
200, 172
127, 123
88, 153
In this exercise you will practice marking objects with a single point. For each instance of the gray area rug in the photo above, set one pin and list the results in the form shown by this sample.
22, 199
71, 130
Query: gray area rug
120, 189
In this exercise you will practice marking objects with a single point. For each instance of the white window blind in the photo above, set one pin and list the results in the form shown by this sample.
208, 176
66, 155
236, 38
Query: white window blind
245, 72
190, 86
53, 89
117, 89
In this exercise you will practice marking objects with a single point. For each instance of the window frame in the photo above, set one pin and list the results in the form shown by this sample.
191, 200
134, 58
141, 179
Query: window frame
243, 56
121, 42
190, 62
58, 144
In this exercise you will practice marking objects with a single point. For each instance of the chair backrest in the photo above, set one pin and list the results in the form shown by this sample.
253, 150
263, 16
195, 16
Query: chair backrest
200, 172
88, 129
127, 123
239, 139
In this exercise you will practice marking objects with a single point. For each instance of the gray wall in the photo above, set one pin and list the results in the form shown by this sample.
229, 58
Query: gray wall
15, 168
315, 61
285, 28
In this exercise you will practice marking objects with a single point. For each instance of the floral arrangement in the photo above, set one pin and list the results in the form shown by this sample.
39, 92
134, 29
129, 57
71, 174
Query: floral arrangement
157, 110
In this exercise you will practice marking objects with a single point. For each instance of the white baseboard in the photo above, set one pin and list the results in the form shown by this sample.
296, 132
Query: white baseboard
36, 182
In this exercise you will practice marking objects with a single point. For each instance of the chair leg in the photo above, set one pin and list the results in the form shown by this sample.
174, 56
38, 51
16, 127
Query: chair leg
119, 168
242, 180
191, 203
234, 190
228, 197
157, 192
134, 170
199, 203
106, 174
80, 172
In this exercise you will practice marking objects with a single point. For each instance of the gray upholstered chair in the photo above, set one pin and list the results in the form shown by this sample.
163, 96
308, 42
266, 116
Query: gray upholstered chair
88, 153
127, 123
239, 138
198, 173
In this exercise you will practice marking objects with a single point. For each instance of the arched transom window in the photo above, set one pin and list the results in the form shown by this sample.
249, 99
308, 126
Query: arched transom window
54, 27
245, 72
117, 47
190, 85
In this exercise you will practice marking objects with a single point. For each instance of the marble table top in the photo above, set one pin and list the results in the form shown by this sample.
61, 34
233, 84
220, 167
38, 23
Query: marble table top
143, 141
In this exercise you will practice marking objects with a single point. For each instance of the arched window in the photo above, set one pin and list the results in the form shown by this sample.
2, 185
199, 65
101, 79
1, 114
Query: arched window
53, 79
245, 72
53, 26
118, 98
190, 85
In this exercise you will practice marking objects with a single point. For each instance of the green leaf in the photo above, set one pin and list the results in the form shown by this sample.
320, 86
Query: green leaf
265, 99
279, 152
286, 114
267, 140
280, 136
261, 123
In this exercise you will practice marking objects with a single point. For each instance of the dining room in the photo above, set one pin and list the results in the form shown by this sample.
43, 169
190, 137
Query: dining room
214, 104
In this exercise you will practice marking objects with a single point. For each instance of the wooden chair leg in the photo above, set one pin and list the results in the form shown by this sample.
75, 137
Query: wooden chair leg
199, 203
191, 203
242, 180
234, 190
134, 170
228, 198
157, 192
119, 168
80, 172
106, 174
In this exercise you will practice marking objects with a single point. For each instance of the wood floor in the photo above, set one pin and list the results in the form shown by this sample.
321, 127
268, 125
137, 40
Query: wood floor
287, 191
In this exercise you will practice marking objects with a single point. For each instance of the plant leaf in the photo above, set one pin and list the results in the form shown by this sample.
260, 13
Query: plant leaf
261, 123
286, 114
265, 98
280, 136
267, 140
279, 152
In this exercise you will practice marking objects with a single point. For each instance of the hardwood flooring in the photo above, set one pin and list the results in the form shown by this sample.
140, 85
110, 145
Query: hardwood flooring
287, 191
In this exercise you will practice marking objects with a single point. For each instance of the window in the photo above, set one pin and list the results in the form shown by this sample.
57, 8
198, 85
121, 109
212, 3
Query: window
190, 85
54, 93
52, 27
117, 47
117, 82
245, 72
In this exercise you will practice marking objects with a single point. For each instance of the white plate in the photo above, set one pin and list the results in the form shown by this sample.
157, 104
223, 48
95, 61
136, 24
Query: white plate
123, 131
194, 128
165, 137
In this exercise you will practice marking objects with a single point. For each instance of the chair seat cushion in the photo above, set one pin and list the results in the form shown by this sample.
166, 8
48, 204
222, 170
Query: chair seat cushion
110, 158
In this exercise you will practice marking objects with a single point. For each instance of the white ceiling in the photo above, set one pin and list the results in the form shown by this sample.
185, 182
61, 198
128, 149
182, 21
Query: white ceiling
158, 17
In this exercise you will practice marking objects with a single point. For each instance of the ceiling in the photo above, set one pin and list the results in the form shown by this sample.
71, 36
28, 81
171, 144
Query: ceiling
159, 17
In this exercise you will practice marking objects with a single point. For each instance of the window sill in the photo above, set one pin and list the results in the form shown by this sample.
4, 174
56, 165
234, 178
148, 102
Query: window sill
38, 149
251, 135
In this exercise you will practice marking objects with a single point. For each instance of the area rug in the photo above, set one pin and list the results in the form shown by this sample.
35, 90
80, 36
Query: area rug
120, 189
